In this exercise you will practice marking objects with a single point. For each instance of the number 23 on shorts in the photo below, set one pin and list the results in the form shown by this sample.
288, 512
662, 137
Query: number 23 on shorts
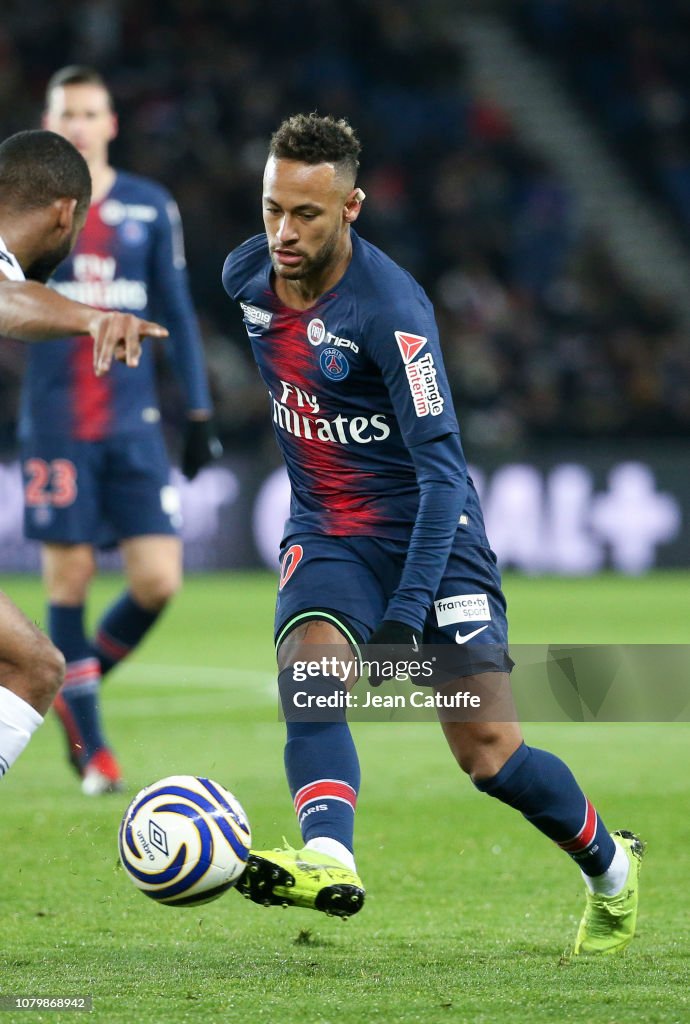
50, 483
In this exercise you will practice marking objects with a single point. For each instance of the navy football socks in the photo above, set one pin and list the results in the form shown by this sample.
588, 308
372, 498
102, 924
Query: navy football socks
544, 790
321, 765
122, 627
79, 708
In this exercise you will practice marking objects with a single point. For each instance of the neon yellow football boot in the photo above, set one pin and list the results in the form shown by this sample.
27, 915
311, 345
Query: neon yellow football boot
301, 878
608, 923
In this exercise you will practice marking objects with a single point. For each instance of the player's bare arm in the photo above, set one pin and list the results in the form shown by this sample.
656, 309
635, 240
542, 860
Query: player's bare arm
30, 311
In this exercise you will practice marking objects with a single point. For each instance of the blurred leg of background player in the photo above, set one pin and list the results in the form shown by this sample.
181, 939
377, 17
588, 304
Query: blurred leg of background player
31, 671
153, 568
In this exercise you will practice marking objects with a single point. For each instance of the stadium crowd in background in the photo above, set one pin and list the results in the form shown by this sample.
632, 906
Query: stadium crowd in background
542, 335
629, 62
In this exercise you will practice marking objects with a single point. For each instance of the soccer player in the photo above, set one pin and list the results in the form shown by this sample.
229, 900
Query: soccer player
385, 532
45, 189
104, 436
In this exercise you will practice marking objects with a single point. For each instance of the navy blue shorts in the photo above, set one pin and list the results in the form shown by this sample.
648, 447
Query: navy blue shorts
98, 492
351, 580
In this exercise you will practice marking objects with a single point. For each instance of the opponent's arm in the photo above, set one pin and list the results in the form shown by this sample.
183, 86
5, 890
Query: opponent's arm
30, 311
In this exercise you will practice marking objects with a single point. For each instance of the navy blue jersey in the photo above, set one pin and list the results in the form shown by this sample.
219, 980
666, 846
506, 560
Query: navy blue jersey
129, 257
355, 382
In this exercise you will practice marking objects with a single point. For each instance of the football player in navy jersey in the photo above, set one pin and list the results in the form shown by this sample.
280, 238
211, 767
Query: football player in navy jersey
45, 189
385, 542
96, 471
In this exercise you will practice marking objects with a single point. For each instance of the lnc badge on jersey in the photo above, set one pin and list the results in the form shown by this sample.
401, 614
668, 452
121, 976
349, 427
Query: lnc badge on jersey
257, 316
334, 364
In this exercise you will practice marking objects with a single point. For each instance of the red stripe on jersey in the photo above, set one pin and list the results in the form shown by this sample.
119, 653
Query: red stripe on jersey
322, 790
335, 484
91, 395
585, 836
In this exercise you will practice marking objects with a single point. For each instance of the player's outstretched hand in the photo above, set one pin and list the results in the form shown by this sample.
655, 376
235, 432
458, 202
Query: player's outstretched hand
118, 336
391, 642
200, 447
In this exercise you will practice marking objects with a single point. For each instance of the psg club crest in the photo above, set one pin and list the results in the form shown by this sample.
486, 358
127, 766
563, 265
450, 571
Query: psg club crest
334, 364
132, 232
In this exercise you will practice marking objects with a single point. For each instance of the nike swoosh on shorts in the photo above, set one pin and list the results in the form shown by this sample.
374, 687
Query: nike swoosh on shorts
460, 639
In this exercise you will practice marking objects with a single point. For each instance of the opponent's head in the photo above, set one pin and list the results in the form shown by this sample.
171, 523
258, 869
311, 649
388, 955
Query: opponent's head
310, 198
45, 191
79, 106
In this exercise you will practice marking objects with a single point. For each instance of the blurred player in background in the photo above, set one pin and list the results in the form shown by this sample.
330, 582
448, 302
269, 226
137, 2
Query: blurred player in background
45, 189
385, 542
103, 437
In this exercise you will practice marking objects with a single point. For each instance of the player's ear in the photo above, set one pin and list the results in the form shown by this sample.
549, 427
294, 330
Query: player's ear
353, 205
114, 127
64, 214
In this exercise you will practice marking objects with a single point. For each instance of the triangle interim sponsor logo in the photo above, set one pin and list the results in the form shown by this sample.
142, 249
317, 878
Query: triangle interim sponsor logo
409, 344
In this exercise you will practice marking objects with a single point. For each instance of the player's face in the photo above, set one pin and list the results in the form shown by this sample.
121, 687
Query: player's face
304, 215
82, 114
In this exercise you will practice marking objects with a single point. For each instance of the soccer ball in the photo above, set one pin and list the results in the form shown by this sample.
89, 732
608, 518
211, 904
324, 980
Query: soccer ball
184, 840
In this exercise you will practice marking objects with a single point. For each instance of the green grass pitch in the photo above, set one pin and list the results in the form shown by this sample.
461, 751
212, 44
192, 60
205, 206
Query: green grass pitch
468, 911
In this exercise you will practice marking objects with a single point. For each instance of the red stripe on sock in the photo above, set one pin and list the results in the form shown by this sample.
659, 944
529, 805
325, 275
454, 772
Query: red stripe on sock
82, 671
322, 790
585, 836
74, 737
111, 647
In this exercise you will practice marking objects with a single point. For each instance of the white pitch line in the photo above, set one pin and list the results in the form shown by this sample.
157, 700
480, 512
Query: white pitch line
211, 677
136, 707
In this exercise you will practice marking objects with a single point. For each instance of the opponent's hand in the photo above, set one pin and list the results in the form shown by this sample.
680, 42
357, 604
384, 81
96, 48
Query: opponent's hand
118, 336
200, 447
394, 642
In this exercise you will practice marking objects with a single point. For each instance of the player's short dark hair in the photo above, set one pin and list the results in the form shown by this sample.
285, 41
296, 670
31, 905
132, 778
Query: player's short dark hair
77, 74
38, 167
315, 140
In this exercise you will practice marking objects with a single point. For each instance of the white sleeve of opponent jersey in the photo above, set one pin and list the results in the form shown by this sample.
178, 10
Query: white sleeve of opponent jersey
8, 264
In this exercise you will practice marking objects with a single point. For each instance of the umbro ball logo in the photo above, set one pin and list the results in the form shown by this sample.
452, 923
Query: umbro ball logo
157, 837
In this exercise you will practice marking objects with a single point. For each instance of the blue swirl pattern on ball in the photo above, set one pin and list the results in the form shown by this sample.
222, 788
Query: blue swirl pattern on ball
170, 884
213, 789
